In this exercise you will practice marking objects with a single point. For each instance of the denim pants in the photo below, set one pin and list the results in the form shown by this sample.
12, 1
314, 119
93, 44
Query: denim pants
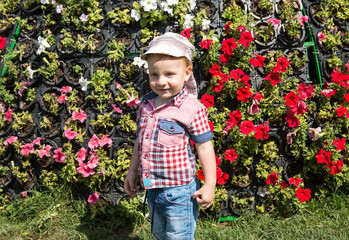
173, 211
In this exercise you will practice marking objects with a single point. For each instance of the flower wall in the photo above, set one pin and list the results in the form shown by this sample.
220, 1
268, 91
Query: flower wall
273, 75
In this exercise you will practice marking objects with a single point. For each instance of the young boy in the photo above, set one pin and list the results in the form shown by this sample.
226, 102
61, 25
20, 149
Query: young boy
168, 118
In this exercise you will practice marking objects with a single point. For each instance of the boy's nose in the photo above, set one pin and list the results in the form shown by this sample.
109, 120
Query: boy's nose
161, 80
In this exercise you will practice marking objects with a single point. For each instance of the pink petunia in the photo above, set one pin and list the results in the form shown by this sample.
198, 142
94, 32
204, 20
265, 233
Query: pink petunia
92, 163
81, 155
84, 170
321, 36
93, 198
27, 149
8, 115
65, 89
132, 101
116, 109
254, 107
94, 142
83, 17
105, 140
81, 116
10, 140
37, 141
62, 98
59, 156
303, 19
69, 134
45, 151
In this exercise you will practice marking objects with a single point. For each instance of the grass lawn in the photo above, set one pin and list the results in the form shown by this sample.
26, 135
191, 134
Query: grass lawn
47, 215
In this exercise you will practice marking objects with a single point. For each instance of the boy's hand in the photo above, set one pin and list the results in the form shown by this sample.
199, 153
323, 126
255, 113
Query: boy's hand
130, 184
204, 196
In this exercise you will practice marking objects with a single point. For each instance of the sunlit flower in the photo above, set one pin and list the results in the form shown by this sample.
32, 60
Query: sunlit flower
69, 134
272, 178
2, 42
314, 133
246, 127
188, 23
81, 116
303, 195
340, 144
116, 109
65, 89
230, 155
10, 140
132, 101
149, 5
45, 1
27, 149
139, 62
81, 155
94, 142
105, 140
62, 98
84, 170
59, 8
205, 24
37, 141
43, 44
45, 151
135, 14
8, 115
321, 36
207, 100
295, 181
167, 8
83, 83
303, 19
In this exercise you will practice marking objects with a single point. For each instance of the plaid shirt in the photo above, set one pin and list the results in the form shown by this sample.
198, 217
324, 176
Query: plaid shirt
165, 151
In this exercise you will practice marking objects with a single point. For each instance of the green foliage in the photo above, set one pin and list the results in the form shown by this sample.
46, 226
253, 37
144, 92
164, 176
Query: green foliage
21, 120
126, 124
103, 120
116, 50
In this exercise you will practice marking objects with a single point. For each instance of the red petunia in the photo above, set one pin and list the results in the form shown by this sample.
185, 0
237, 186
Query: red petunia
337, 168
346, 97
246, 127
291, 99
272, 178
186, 33
215, 70
235, 117
207, 100
295, 181
218, 161
243, 94
305, 91
236, 74
230, 155
224, 58
258, 96
283, 185
219, 86
273, 77
301, 108
228, 45
292, 120
227, 27
340, 144
341, 111
201, 175
262, 131
206, 44
245, 39
2, 42
303, 195
323, 156
328, 92
258, 61
211, 126
222, 178
282, 65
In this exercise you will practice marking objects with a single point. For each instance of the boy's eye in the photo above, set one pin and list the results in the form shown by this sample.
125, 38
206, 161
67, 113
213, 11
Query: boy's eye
169, 74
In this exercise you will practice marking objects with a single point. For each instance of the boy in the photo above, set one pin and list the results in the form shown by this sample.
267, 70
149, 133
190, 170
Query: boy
168, 118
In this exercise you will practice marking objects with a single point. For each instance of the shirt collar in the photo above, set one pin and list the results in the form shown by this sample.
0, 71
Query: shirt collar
177, 100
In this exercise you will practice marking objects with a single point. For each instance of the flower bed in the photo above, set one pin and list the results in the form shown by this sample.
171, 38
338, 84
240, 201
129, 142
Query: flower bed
279, 132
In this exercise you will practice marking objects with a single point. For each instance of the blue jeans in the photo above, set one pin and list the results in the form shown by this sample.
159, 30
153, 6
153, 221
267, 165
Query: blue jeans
173, 211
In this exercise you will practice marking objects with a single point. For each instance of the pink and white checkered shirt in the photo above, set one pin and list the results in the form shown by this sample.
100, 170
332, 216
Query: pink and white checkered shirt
165, 151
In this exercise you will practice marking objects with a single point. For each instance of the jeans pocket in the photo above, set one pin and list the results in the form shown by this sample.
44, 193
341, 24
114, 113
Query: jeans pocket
178, 196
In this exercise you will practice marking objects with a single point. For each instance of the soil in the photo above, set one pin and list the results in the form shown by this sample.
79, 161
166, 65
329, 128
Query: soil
261, 12
103, 64
125, 38
228, 3
101, 130
99, 42
29, 45
260, 39
294, 168
55, 126
26, 129
35, 23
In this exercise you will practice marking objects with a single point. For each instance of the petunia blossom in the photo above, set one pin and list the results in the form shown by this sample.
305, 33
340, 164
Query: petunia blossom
328, 92
337, 167
292, 120
69, 134
81, 116
45, 151
43, 44
245, 39
253, 108
94, 142
206, 24
340, 144
303, 195
81, 155
37, 141
272, 178
206, 44
321, 36
105, 140
262, 131
27, 149
65, 89
2, 42
93, 198
303, 19
207, 100
149, 5
243, 94
273, 77
221, 176
59, 156
132, 101
291, 99
186, 33
295, 181
341, 111
10, 140
136, 15
230, 155
92, 163
8, 115
83, 83
116, 109
84, 170
246, 127
314, 133
62, 98
59, 8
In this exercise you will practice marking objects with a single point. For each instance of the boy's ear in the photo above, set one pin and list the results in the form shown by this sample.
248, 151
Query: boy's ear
188, 73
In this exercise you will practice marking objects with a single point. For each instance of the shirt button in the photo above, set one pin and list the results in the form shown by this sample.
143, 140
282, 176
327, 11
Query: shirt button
146, 137
151, 116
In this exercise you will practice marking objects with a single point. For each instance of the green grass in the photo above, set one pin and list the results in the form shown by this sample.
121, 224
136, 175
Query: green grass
59, 215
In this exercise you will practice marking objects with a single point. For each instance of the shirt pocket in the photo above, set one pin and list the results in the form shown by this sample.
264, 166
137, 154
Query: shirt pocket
170, 133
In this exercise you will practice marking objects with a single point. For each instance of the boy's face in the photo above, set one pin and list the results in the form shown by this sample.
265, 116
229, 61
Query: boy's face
167, 75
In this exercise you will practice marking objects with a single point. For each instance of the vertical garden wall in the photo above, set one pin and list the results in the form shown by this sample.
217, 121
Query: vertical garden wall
273, 75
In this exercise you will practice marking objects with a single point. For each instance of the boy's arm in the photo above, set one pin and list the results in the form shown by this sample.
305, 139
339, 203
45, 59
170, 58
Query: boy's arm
205, 195
131, 180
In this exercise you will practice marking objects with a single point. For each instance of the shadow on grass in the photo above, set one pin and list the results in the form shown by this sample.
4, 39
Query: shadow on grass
106, 221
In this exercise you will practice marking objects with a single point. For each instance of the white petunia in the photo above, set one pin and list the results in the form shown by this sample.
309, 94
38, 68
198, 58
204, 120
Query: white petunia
167, 8
206, 24
43, 44
188, 21
30, 72
192, 4
83, 83
172, 2
45, 2
149, 5
135, 14
138, 62
59, 8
